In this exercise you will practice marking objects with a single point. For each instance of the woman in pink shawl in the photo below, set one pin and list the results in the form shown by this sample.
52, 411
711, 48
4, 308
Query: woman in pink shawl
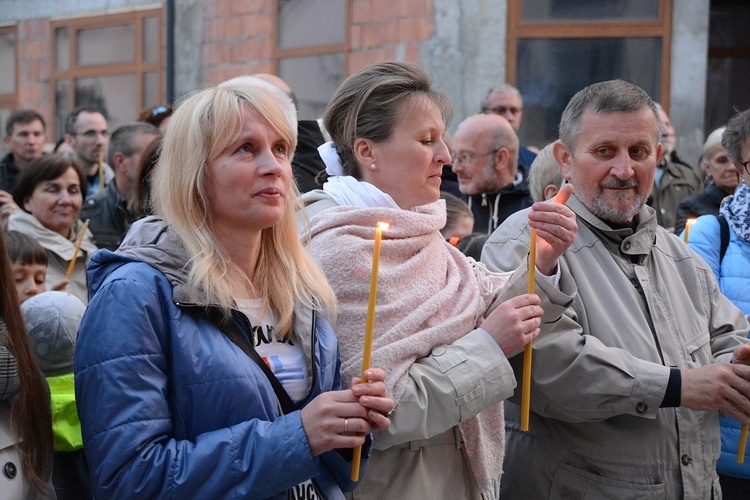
445, 326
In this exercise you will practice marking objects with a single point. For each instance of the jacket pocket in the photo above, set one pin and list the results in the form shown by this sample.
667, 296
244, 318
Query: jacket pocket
698, 351
573, 483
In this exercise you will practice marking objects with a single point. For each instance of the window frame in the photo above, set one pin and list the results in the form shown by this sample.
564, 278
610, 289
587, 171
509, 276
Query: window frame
137, 67
660, 28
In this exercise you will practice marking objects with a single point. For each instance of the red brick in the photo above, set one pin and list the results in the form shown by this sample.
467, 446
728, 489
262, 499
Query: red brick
361, 11
37, 71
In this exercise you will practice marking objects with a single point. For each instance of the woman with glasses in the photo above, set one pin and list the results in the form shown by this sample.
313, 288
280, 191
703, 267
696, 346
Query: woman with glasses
445, 327
729, 257
723, 179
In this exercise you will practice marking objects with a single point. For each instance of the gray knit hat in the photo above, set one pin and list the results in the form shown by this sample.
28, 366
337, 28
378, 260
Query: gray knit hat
52, 320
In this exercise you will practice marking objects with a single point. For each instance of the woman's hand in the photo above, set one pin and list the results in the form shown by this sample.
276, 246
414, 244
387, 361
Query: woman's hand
556, 227
7, 207
515, 323
342, 419
372, 396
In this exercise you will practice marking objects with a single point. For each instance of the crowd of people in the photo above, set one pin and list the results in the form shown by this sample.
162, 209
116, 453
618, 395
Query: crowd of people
185, 299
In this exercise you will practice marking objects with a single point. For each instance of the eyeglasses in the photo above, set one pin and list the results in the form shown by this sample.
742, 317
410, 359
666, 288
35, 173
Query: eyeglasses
464, 158
745, 165
502, 110
92, 134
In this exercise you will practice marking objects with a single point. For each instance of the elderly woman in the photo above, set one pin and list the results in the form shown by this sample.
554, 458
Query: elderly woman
25, 418
205, 366
445, 354
50, 192
729, 257
723, 179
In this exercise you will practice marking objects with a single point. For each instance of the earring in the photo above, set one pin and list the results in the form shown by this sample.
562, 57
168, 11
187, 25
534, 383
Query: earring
373, 167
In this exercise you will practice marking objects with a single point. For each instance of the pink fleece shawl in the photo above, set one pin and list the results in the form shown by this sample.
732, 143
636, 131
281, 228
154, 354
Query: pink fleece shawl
429, 294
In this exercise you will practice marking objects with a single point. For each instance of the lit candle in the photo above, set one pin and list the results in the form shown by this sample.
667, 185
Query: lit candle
688, 223
369, 327
101, 171
77, 251
526, 382
743, 444
562, 196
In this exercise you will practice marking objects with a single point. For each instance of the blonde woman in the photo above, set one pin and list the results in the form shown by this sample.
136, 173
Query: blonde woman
204, 359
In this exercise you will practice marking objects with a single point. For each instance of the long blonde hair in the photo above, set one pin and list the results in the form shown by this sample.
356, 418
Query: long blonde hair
203, 126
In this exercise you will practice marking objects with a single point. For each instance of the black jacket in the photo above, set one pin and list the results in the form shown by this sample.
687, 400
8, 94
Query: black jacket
491, 209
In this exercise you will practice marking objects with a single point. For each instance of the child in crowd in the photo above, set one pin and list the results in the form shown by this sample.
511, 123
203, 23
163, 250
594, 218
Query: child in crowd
52, 320
28, 261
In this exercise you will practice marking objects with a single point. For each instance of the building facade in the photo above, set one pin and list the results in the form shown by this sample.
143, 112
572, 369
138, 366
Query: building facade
127, 55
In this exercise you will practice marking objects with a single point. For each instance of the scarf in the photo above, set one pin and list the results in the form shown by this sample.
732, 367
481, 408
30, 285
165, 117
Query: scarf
345, 189
429, 294
736, 210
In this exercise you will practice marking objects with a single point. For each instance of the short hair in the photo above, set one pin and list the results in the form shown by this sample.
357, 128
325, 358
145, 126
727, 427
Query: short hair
712, 142
455, 207
45, 168
612, 96
123, 138
737, 132
70, 120
500, 89
544, 171
23, 117
23, 249
140, 204
506, 137
202, 127
370, 103
155, 114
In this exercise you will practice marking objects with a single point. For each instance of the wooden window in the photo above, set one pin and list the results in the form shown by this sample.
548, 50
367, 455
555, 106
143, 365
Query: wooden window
312, 40
8, 75
727, 88
557, 47
110, 62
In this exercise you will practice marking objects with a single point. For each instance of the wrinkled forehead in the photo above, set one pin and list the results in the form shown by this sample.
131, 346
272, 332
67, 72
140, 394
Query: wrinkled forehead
626, 127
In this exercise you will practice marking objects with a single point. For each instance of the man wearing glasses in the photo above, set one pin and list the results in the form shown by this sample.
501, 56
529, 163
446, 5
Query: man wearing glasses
86, 132
489, 175
505, 100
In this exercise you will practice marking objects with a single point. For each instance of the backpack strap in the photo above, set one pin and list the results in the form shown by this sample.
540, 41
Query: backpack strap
227, 326
724, 229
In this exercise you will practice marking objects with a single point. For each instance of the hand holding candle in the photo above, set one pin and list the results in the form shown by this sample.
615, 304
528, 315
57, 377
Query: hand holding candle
369, 328
562, 235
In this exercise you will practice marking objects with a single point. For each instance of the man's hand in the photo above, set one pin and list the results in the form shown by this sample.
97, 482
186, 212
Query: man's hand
723, 387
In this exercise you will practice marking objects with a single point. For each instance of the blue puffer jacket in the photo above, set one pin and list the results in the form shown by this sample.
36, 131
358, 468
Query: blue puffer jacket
169, 406
733, 275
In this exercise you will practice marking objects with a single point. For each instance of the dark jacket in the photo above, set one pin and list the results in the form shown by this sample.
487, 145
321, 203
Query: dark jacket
307, 163
707, 202
677, 183
491, 209
8, 173
170, 407
108, 216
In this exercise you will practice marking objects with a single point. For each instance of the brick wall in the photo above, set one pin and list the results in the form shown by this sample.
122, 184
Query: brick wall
34, 66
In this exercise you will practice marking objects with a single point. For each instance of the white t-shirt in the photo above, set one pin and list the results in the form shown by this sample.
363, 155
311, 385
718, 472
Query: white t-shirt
284, 357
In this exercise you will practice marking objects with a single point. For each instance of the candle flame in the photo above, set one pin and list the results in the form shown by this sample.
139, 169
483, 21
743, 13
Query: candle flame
383, 225
691, 221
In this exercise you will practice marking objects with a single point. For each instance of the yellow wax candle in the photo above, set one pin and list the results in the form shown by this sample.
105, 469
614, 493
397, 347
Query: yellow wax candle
101, 171
77, 251
743, 444
526, 381
369, 327
688, 223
